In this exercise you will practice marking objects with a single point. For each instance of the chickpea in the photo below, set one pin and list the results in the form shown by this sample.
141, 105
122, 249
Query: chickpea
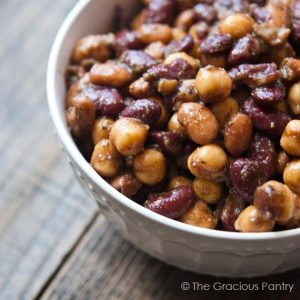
200, 215
238, 134
290, 140
139, 19
165, 113
208, 162
199, 122
251, 220
225, 110
237, 25
179, 181
111, 74
199, 31
166, 86
97, 47
213, 84
140, 88
291, 175
192, 61
101, 129
156, 50
149, 33
105, 159
207, 190
178, 33
185, 19
186, 92
175, 126
149, 166
126, 184
275, 201
282, 161
129, 135
294, 98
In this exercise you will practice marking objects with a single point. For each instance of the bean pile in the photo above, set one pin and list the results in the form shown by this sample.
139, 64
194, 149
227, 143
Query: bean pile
192, 110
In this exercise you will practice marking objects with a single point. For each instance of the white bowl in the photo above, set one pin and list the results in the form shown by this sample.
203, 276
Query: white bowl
200, 250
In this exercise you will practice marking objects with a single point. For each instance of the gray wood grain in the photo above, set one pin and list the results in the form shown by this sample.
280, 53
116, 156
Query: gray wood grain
43, 212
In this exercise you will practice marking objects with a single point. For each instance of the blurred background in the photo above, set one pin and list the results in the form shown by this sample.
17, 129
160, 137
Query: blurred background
53, 242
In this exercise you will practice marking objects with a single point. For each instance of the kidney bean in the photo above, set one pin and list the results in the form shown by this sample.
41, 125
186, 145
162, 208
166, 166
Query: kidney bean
199, 31
269, 120
171, 204
231, 210
125, 40
138, 60
245, 49
295, 21
183, 45
206, 13
216, 43
160, 11
177, 69
145, 110
290, 69
169, 142
255, 75
260, 14
269, 95
263, 151
108, 101
245, 176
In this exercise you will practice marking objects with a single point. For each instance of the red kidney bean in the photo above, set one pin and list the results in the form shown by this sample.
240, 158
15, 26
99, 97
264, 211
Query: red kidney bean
201, 30
230, 211
245, 49
145, 110
255, 75
206, 13
171, 204
245, 176
108, 101
270, 94
169, 142
125, 40
160, 11
260, 14
216, 43
295, 22
269, 120
178, 69
263, 151
138, 60
183, 45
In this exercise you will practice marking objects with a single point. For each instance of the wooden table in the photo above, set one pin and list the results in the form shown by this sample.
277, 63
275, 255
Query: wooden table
53, 242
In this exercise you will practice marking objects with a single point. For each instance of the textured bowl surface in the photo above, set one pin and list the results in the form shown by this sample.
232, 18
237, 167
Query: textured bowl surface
196, 249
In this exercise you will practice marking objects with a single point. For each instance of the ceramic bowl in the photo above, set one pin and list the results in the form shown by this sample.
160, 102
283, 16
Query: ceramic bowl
200, 250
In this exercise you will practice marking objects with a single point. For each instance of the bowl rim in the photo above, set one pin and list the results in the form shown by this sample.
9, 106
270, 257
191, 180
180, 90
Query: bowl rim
73, 151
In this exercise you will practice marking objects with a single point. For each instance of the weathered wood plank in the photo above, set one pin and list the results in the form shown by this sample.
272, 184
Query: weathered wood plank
43, 211
104, 266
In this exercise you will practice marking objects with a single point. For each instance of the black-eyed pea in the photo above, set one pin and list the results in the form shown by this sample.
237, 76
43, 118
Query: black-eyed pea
213, 84
111, 74
105, 159
156, 50
282, 160
174, 126
182, 55
200, 215
251, 220
275, 201
238, 134
225, 110
149, 166
97, 47
179, 181
140, 88
290, 139
185, 19
237, 25
199, 122
291, 175
293, 98
149, 33
101, 129
126, 184
208, 162
207, 190
128, 135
